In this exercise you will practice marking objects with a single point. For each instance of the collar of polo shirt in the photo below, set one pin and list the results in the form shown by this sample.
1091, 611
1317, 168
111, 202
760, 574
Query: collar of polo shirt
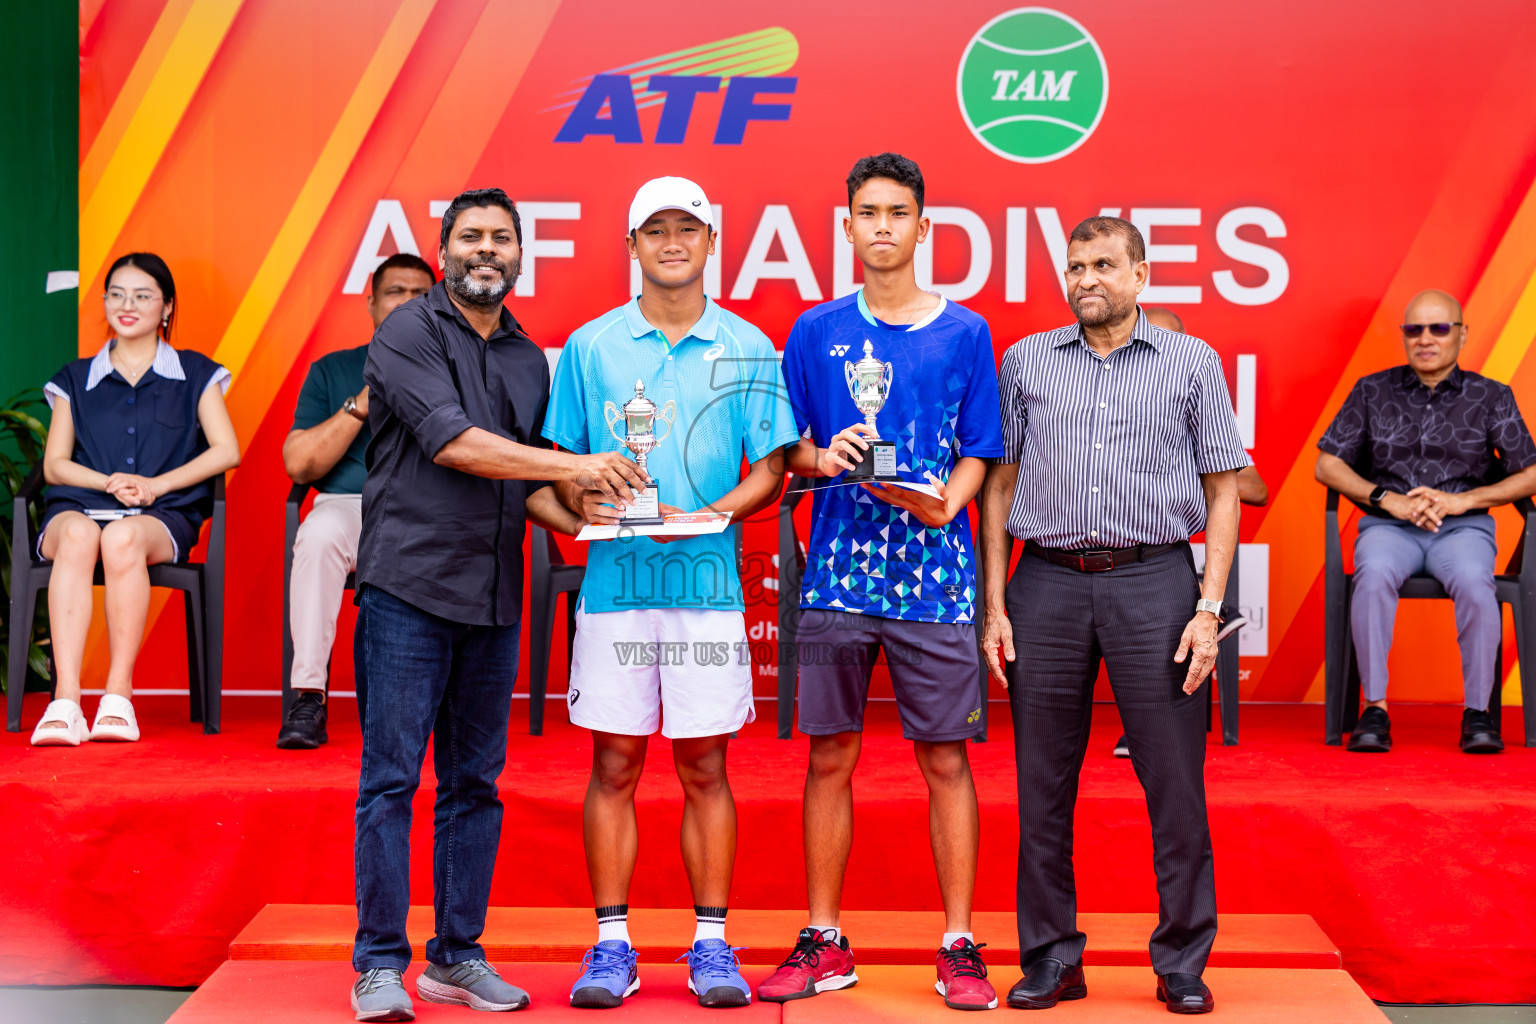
1143, 331
706, 328
1454, 381
166, 364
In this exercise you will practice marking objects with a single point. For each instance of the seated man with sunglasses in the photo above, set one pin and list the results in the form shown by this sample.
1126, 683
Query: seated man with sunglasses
1428, 437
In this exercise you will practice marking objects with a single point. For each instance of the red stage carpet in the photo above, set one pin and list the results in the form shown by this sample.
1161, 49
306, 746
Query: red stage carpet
139, 864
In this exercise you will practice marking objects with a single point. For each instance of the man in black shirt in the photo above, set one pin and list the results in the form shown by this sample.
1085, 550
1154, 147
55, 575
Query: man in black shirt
457, 461
1425, 450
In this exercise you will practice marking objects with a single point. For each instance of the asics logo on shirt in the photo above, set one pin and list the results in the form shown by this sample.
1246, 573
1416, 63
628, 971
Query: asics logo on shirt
714, 352
838, 350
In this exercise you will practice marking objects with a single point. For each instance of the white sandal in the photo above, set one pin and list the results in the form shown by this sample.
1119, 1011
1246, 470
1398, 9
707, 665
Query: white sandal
113, 706
74, 732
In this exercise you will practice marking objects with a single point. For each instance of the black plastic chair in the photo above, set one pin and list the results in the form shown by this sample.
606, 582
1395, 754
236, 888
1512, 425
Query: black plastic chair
201, 584
1516, 587
551, 577
791, 572
291, 519
1227, 668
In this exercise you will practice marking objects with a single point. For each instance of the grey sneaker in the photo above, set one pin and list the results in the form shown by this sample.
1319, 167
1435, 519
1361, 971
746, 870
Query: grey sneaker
379, 994
473, 983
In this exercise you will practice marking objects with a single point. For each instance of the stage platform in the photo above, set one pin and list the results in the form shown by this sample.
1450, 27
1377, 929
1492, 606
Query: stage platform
562, 935
139, 864
309, 991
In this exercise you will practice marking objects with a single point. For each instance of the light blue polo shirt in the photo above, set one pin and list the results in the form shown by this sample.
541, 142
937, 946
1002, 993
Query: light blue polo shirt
724, 381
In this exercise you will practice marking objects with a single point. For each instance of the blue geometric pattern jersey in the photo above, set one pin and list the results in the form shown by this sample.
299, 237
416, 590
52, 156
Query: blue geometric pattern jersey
866, 556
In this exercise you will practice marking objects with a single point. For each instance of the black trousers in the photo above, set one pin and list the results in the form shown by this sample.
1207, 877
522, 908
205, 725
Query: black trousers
1064, 622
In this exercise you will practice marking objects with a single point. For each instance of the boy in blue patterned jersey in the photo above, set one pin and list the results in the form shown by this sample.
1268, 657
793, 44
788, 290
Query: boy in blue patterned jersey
682, 602
889, 568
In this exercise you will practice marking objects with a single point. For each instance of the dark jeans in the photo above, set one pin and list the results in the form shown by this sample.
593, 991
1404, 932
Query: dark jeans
425, 676
1064, 622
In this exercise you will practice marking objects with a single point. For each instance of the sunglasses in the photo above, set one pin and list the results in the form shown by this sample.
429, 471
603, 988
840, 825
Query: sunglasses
1439, 330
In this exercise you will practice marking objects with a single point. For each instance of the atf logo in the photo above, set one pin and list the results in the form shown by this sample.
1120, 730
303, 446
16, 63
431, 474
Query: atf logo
1032, 85
744, 68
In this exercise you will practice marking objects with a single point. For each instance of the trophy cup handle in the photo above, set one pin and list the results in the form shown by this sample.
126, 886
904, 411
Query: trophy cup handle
889, 367
666, 414
848, 376
613, 414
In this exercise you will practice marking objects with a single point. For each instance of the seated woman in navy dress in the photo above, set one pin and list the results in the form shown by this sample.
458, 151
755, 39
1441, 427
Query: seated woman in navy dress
138, 433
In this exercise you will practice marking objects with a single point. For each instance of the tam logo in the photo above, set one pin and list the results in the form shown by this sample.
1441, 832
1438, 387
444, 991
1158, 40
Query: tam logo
616, 93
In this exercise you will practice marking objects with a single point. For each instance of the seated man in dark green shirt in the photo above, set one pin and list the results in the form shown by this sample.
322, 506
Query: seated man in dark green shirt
325, 449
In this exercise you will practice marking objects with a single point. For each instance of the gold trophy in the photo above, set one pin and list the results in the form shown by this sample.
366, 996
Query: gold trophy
640, 415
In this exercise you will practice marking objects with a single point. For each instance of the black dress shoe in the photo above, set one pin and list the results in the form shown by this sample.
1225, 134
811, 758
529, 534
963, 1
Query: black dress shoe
1045, 983
1122, 748
304, 726
1373, 733
1480, 733
1184, 993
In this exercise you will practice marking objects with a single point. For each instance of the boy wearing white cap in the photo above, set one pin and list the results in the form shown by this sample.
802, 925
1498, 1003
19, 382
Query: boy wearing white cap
662, 628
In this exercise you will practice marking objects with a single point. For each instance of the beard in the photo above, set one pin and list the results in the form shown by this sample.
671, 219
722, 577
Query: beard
474, 292
1112, 311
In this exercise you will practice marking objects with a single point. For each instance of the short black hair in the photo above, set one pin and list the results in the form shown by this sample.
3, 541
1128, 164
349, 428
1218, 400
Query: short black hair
156, 268
402, 261
479, 197
887, 165
1094, 227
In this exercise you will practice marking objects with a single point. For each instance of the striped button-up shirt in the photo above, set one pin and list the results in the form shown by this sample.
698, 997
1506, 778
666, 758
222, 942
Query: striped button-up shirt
1111, 449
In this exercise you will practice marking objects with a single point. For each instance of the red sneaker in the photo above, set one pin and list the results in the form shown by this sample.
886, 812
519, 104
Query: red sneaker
815, 965
963, 978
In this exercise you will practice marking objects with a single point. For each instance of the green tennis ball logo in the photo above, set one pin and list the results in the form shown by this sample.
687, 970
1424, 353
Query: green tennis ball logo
1032, 85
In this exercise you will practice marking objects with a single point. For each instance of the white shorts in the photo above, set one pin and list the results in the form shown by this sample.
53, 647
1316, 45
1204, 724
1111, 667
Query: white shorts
627, 665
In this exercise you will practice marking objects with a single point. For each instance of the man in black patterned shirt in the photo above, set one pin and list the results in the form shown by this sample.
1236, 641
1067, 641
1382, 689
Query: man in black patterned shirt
1425, 450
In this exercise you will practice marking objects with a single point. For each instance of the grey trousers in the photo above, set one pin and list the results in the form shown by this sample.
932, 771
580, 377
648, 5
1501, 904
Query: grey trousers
1064, 623
1461, 557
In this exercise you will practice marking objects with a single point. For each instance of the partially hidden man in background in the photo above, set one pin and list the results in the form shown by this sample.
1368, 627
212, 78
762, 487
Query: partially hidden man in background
1121, 443
718, 377
325, 450
890, 569
457, 400
1425, 449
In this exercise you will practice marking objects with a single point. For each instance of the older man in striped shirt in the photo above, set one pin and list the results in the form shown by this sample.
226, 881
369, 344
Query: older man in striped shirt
1120, 443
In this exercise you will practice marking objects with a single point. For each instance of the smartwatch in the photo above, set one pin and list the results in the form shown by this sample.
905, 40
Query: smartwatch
1205, 604
1377, 494
350, 408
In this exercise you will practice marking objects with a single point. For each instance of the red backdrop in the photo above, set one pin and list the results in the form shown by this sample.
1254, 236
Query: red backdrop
1308, 167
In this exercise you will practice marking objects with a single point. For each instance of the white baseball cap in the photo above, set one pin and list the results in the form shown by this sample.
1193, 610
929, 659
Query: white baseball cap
669, 194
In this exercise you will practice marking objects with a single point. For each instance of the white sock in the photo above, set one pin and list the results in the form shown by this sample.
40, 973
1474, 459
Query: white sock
613, 923
710, 923
830, 932
950, 938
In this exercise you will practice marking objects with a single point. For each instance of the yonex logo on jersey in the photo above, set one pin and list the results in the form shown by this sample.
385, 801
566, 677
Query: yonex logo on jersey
1032, 85
838, 350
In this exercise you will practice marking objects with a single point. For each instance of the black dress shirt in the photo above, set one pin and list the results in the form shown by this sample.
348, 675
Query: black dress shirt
1111, 448
1399, 434
445, 541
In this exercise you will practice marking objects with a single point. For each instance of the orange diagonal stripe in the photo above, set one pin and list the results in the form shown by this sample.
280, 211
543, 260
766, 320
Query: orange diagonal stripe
286, 249
143, 136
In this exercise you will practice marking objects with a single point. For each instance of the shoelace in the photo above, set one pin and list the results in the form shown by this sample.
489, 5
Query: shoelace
306, 709
377, 978
714, 960
601, 960
807, 952
467, 972
965, 961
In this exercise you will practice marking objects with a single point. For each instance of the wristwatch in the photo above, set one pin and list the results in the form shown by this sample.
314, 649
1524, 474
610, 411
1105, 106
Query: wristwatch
1377, 494
350, 408
1205, 604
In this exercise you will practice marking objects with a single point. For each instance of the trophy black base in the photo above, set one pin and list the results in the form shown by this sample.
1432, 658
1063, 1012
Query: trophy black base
645, 509
879, 464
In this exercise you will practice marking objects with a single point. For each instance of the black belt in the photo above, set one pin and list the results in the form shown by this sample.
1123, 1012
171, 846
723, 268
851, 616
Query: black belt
1099, 559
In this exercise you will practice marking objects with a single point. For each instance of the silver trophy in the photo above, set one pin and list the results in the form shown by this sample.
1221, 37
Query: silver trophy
869, 384
639, 415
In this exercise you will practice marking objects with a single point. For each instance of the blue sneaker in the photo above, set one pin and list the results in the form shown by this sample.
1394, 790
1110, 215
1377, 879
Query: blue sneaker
714, 974
612, 972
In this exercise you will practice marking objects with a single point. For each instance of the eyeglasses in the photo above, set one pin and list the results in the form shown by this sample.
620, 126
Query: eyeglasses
1439, 330
119, 298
